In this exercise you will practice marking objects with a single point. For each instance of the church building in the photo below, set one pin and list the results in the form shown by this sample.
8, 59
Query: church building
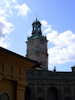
44, 84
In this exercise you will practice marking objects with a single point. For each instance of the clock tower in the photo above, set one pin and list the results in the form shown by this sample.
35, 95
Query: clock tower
37, 45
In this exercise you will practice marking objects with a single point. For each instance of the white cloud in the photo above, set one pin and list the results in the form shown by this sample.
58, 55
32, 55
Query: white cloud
7, 3
5, 28
51, 36
64, 49
29, 33
65, 39
3, 43
49, 66
14, 1
2, 11
7, 8
46, 26
44, 23
64, 45
10, 11
23, 10
47, 30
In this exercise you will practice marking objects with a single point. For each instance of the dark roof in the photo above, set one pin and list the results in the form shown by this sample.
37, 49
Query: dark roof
73, 66
36, 21
10, 52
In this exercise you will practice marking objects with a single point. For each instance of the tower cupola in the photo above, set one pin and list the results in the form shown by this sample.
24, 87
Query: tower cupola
36, 28
37, 45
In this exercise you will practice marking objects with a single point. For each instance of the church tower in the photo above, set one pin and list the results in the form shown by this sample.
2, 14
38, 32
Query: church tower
37, 45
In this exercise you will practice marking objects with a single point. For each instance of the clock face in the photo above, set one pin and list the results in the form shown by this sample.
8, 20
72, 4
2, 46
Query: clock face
42, 41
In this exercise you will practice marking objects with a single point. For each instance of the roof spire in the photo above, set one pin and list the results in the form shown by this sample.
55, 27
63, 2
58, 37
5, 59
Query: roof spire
36, 15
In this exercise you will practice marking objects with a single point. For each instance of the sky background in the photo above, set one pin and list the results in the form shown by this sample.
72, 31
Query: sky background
58, 24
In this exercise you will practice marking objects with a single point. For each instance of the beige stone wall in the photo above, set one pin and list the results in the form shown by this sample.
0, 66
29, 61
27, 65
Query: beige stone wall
36, 45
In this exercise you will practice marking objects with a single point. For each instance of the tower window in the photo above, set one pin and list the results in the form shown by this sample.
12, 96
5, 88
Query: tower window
34, 28
38, 28
41, 63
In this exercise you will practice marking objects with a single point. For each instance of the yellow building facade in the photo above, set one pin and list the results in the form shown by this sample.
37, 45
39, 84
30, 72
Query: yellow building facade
12, 75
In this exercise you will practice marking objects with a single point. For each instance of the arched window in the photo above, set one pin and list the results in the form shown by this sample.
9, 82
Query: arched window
38, 28
4, 95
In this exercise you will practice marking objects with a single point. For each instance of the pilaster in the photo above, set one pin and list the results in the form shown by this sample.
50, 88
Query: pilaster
35, 92
21, 90
45, 92
62, 92
31, 92
0, 76
72, 92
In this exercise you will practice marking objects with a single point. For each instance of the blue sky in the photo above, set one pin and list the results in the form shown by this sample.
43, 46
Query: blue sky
58, 24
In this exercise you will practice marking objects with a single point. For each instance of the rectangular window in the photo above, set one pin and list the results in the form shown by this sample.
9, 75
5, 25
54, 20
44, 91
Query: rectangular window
39, 89
2, 66
66, 90
11, 69
19, 71
67, 98
39, 98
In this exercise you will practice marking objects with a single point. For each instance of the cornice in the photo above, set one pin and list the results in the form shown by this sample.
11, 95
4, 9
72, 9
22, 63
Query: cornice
16, 60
